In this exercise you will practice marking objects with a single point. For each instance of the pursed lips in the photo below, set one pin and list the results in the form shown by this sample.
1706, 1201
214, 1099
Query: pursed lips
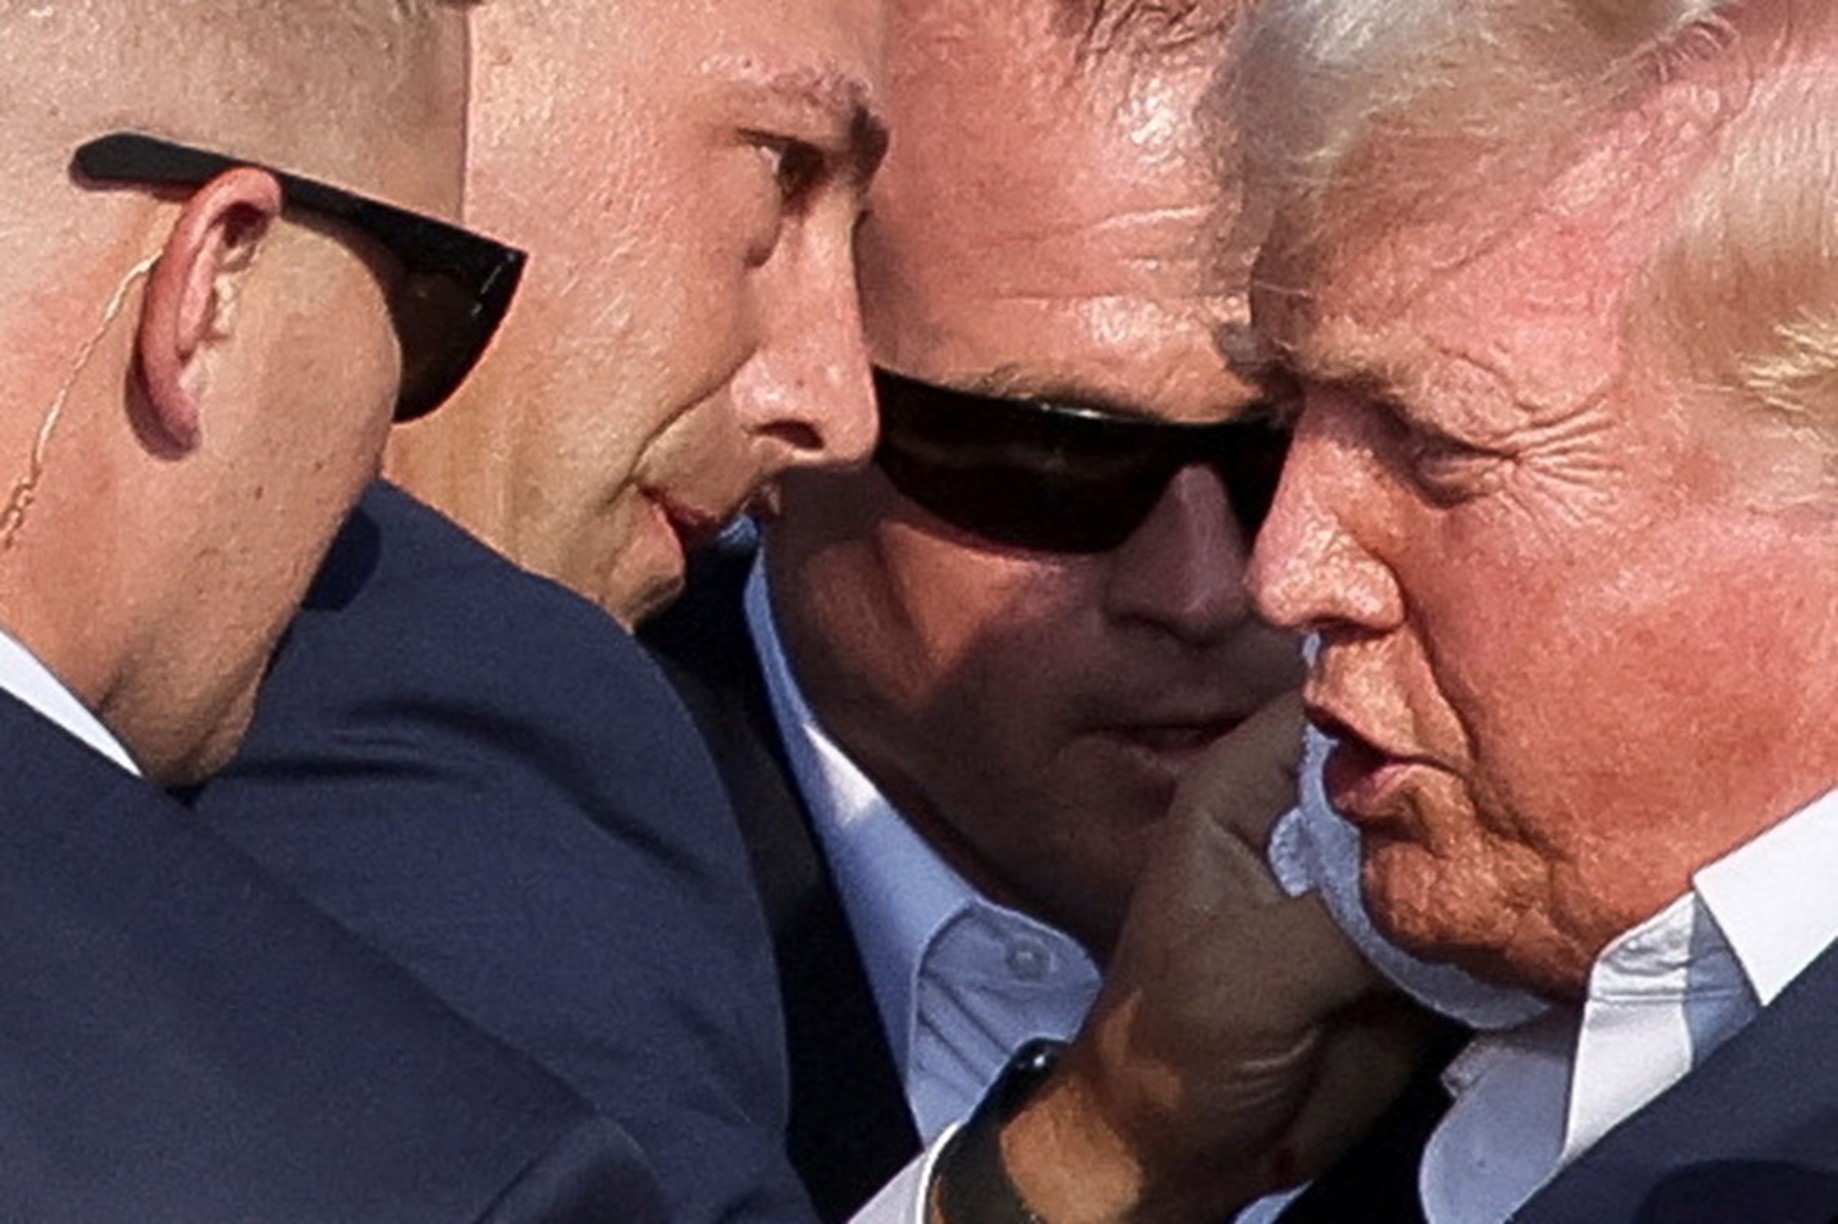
693, 526
1362, 775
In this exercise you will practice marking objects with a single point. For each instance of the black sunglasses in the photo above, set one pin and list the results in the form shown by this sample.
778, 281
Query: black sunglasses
1054, 478
456, 286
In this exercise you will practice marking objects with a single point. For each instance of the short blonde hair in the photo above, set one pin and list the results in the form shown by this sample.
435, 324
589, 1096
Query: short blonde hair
288, 80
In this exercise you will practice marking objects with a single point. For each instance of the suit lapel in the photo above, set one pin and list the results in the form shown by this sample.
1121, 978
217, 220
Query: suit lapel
1752, 1134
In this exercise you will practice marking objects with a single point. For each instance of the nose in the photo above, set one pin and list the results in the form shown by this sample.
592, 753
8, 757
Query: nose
1311, 572
807, 391
1183, 568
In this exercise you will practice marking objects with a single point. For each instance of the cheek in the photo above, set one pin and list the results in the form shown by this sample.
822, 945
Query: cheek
1636, 674
338, 430
979, 614
708, 220
701, 451
1525, 634
644, 320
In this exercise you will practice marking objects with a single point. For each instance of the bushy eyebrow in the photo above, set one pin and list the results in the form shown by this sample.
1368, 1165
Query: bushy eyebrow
1262, 364
835, 102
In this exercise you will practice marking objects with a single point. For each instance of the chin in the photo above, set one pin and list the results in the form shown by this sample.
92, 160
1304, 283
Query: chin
1416, 903
636, 574
197, 762
631, 604
1412, 903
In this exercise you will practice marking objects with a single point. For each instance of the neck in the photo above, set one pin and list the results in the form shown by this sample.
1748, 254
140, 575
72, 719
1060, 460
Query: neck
454, 464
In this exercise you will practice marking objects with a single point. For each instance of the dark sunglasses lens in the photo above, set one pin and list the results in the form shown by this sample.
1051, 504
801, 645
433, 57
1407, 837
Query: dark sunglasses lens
1025, 508
444, 325
432, 319
1251, 466
1057, 479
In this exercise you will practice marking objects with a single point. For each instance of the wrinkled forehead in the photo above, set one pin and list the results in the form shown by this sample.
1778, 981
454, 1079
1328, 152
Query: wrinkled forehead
1537, 277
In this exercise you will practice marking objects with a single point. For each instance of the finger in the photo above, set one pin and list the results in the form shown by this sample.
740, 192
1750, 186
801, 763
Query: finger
1310, 970
1248, 779
1215, 859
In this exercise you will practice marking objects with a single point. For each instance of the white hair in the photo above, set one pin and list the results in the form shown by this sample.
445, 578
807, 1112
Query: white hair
1366, 115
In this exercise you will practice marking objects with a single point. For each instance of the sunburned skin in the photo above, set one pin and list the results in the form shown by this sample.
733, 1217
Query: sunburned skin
1523, 545
222, 367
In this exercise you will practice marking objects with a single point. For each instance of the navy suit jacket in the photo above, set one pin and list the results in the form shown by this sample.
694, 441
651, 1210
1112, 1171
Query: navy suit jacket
182, 1040
1751, 1135
486, 778
851, 1127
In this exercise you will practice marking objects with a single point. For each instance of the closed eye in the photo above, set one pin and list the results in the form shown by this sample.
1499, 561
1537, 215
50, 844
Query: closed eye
1449, 472
1445, 470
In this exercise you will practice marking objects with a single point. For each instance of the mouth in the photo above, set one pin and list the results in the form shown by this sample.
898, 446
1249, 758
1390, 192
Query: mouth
693, 527
1170, 744
1362, 780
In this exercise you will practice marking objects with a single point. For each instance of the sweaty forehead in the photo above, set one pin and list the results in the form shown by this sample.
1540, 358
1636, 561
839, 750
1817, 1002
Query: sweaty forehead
586, 52
1038, 219
1010, 151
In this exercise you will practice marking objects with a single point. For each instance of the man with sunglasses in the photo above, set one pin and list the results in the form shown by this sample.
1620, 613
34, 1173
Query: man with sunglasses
215, 309
968, 677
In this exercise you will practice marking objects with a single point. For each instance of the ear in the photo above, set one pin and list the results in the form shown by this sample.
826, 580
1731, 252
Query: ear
215, 238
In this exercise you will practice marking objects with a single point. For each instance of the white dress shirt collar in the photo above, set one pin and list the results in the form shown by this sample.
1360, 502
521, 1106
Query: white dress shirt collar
1661, 999
959, 981
29, 680
1773, 898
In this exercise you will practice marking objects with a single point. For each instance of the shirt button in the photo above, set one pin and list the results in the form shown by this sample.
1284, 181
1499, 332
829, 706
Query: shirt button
1029, 961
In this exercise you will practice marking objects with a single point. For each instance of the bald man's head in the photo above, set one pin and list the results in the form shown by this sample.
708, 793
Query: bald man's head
346, 90
352, 91
196, 376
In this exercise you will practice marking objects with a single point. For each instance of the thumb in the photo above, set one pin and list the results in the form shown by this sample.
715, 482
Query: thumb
1242, 784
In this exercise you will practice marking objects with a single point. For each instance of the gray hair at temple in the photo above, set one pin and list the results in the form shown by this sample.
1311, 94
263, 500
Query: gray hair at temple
1362, 116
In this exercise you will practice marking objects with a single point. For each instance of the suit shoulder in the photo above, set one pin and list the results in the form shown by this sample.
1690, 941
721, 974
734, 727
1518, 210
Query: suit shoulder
405, 591
143, 949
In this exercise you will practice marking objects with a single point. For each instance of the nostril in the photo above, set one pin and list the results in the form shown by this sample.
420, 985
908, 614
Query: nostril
800, 437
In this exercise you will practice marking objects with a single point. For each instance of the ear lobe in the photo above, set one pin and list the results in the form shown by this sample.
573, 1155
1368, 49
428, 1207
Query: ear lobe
188, 291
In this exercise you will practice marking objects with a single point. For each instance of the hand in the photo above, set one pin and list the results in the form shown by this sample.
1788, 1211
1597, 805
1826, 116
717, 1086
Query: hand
1240, 1042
